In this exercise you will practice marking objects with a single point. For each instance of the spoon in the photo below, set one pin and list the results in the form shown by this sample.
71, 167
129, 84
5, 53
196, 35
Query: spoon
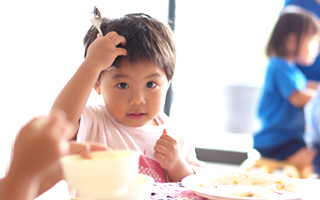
96, 20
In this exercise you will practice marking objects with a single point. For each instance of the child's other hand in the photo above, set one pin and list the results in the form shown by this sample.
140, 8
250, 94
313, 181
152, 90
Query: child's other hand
103, 51
167, 152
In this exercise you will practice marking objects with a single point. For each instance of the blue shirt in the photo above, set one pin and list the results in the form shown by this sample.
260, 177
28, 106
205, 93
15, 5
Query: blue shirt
311, 72
310, 5
280, 120
312, 118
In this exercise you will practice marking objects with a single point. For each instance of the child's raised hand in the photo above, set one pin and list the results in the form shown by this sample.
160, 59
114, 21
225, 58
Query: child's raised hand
103, 51
167, 152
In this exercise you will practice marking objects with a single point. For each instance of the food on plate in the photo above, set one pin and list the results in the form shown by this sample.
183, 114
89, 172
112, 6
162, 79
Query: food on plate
252, 188
243, 186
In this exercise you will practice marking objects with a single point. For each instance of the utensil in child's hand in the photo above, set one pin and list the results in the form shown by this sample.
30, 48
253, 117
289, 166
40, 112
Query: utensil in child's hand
112, 67
96, 20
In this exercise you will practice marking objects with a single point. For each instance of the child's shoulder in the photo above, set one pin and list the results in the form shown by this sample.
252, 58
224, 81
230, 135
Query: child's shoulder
95, 111
280, 64
96, 108
278, 61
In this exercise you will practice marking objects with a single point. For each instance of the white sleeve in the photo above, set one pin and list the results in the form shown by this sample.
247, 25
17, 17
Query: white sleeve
189, 153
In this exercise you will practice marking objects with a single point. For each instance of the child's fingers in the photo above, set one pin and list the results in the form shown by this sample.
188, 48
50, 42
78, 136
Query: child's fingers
121, 52
167, 137
160, 147
165, 131
159, 157
116, 38
120, 40
163, 142
111, 34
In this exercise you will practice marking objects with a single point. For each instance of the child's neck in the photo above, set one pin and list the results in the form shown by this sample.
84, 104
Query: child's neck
290, 59
153, 123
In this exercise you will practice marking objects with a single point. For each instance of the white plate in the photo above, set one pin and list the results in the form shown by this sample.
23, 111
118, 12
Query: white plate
221, 185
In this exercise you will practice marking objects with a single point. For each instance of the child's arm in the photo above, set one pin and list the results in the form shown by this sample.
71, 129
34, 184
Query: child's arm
100, 55
300, 98
312, 84
167, 152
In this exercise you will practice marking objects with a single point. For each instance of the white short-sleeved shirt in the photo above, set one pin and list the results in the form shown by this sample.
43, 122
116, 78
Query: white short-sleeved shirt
97, 125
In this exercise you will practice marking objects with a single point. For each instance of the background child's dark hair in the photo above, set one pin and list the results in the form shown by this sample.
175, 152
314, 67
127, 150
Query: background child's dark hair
297, 23
147, 39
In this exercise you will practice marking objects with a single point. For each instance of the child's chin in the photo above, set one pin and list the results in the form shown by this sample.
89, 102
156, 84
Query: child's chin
135, 124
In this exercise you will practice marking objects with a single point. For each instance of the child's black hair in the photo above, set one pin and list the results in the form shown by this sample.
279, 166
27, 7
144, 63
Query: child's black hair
147, 39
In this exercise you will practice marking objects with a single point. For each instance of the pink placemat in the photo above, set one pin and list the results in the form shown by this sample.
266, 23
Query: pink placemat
172, 191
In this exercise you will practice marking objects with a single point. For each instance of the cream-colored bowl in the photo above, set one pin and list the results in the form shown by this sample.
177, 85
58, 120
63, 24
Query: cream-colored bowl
140, 189
105, 176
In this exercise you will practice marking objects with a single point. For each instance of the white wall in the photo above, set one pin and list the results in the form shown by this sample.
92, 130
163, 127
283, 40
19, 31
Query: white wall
218, 43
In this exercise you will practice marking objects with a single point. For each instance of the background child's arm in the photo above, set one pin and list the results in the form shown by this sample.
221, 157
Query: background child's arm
312, 84
100, 55
300, 98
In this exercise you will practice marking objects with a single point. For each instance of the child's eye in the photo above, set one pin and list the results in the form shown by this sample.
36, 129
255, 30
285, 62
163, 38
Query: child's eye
151, 84
122, 86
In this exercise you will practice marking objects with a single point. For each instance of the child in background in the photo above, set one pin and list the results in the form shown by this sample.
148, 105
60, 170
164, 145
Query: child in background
131, 66
285, 92
37, 149
311, 7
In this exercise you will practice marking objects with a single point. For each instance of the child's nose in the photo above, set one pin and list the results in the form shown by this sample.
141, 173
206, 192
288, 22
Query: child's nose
137, 98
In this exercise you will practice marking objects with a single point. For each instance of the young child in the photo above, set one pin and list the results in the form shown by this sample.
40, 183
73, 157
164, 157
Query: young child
285, 92
37, 149
131, 66
311, 7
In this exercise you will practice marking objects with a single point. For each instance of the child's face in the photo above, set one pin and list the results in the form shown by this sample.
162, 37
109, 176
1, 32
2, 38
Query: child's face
134, 95
309, 50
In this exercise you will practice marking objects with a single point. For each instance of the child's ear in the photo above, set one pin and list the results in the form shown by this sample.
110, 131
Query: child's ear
97, 87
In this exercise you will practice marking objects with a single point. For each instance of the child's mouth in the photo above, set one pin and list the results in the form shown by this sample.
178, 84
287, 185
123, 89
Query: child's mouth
136, 116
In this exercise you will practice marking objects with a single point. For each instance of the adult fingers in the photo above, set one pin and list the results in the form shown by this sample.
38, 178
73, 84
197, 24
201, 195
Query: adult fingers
60, 126
85, 148
81, 148
98, 146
